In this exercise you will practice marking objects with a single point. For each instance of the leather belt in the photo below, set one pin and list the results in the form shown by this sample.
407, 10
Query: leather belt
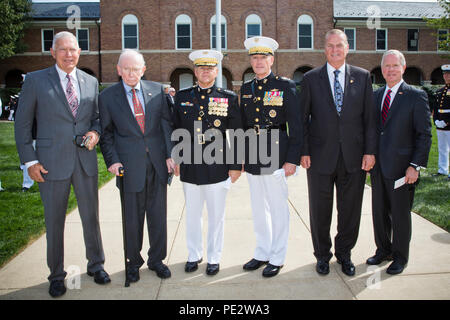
258, 127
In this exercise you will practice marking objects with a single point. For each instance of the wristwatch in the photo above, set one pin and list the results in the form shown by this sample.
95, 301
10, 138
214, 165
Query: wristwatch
415, 166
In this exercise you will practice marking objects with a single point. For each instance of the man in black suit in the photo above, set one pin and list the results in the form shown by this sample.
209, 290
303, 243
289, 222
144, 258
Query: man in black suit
136, 136
339, 148
404, 133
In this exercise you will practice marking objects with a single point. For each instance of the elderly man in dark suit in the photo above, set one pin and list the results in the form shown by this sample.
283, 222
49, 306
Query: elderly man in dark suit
404, 133
339, 148
63, 101
136, 136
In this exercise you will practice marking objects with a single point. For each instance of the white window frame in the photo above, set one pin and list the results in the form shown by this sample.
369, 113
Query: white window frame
88, 41
42, 38
437, 40
183, 19
253, 19
354, 38
130, 18
223, 22
309, 20
376, 39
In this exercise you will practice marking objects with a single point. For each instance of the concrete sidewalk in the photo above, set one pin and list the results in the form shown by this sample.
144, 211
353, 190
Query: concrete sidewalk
426, 277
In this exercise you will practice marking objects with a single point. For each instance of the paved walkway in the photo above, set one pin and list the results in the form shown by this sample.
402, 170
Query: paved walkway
426, 277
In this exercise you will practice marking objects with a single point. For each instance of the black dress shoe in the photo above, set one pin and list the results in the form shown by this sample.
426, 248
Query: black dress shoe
395, 268
192, 266
270, 270
377, 259
323, 267
438, 174
100, 276
347, 267
133, 274
57, 288
24, 189
254, 264
212, 269
162, 271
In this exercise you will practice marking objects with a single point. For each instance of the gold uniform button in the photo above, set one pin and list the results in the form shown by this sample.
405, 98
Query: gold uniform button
199, 118
257, 109
276, 142
198, 129
259, 98
256, 120
203, 97
260, 87
201, 107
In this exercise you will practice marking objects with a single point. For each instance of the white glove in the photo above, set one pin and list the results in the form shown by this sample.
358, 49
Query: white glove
440, 124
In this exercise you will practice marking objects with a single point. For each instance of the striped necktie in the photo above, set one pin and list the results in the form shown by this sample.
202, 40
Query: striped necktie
71, 96
386, 106
138, 111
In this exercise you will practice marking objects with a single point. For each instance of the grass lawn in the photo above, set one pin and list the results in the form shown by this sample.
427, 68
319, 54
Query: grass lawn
22, 214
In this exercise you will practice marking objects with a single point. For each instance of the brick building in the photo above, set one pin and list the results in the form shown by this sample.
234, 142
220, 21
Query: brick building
167, 31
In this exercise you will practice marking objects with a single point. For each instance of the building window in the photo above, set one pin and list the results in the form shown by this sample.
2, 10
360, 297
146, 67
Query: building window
253, 26
381, 39
83, 39
413, 39
183, 32
351, 37
130, 32
223, 32
305, 32
47, 39
442, 36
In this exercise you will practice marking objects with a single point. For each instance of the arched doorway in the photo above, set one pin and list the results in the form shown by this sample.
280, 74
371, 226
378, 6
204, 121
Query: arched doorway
413, 75
182, 78
14, 79
436, 76
227, 79
248, 75
299, 73
377, 76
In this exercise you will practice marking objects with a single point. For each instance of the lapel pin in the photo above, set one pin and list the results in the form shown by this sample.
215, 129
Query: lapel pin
149, 94
351, 80
400, 92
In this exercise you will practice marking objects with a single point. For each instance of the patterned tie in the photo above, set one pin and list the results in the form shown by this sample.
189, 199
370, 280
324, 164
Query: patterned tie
338, 93
386, 105
138, 111
71, 96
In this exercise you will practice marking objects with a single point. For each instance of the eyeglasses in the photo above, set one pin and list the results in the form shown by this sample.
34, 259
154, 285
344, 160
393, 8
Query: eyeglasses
132, 70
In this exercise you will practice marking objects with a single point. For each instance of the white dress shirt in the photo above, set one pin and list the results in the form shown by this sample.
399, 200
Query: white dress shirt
341, 77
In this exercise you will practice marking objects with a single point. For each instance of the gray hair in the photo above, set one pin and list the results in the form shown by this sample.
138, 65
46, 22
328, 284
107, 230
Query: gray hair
132, 53
339, 32
396, 53
63, 34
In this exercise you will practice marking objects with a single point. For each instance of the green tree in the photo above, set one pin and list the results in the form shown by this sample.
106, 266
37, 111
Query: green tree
14, 15
443, 23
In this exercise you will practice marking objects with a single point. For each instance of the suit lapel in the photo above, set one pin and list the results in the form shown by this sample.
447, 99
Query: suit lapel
378, 99
56, 83
325, 83
347, 86
125, 107
83, 90
397, 101
149, 93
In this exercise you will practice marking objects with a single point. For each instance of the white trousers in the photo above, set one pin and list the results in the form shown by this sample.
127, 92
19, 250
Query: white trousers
27, 181
196, 195
270, 209
443, 137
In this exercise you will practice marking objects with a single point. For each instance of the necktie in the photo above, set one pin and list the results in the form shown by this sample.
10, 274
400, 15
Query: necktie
338, 93
386, 105
138, 111
71, 96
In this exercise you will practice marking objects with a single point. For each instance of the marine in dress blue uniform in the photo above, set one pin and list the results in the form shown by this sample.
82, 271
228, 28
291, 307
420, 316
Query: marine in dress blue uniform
271, 113
206, 112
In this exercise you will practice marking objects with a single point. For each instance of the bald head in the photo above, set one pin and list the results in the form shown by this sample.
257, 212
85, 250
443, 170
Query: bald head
131, 67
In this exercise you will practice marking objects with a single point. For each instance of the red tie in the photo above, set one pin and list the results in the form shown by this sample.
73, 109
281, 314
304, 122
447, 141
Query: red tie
386, 105
138, 111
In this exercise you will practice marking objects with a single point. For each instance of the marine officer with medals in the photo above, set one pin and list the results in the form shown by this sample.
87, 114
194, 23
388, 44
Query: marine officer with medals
206, 110
441, 118
270, 107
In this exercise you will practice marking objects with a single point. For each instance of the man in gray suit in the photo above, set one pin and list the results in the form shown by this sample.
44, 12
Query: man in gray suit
136, 130
63, 100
